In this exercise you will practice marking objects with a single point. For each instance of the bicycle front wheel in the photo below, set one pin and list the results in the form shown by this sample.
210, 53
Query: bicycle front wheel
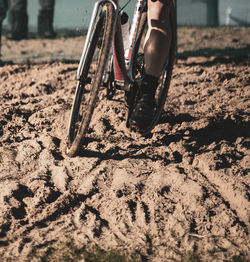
165, 78
86, 95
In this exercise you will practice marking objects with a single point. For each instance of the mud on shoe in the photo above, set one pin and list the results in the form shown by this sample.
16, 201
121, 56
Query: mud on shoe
143, 113
144, 110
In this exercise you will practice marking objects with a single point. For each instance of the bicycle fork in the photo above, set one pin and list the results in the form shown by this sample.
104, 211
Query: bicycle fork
91, 31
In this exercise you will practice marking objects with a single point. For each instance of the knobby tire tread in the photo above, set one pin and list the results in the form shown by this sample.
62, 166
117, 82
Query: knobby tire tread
106, 38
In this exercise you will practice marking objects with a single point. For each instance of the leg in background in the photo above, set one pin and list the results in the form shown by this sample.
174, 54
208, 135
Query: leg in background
3, 10
45, 19
19, 19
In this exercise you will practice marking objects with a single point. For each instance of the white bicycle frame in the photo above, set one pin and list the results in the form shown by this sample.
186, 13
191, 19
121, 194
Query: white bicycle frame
128, 76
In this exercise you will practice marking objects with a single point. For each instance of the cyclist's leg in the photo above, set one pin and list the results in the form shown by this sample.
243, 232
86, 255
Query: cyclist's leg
158, 37
155, 53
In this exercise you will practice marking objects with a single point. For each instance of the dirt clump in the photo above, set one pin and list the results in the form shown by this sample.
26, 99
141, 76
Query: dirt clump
184, 188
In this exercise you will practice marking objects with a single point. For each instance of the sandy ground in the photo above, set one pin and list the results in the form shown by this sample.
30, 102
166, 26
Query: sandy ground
184, 188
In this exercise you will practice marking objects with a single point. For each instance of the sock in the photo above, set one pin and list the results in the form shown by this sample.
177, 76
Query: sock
149, 84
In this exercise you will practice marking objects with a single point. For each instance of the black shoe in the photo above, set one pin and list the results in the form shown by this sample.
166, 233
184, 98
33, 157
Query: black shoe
143, 113
45, 24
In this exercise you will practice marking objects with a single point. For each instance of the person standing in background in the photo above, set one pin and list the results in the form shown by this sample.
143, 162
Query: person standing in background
19, 19
3, 10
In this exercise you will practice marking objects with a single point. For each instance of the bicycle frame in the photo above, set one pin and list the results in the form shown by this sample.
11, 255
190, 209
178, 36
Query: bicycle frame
108, 13
125, 70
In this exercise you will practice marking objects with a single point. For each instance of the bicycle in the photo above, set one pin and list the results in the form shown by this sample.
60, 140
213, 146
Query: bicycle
116, 71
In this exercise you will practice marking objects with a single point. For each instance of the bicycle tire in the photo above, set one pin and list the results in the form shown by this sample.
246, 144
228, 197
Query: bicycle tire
87, 91
165, 78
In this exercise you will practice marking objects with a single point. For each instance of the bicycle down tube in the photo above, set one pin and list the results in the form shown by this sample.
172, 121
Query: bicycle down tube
133, 35
125, 74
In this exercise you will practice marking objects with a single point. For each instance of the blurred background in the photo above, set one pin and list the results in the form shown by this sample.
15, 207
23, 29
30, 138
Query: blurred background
205, 27
75, 14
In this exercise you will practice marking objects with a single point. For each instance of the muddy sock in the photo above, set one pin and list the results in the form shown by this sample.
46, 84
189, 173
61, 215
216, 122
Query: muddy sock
149, 84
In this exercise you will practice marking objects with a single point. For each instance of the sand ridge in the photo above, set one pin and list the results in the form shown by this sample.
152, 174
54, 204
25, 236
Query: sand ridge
184, 188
